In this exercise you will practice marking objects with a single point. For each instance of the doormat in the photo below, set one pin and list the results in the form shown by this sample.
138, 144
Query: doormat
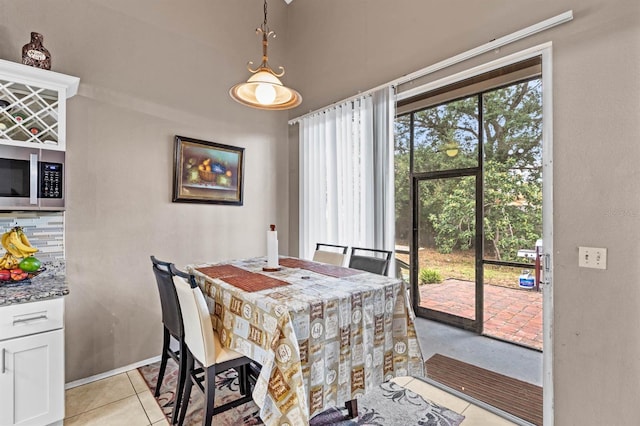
514, 396
389, 404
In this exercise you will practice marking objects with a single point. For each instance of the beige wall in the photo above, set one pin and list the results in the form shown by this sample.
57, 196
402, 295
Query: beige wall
150, 69
153, 69
339, 47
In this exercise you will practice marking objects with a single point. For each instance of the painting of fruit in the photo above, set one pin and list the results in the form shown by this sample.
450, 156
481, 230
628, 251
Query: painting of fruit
207, 172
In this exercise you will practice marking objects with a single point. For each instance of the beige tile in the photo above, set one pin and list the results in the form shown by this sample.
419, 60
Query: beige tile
127, 411
96, 394
162, 423
437, 395
402, 381
476, 416
150, 406
137, 381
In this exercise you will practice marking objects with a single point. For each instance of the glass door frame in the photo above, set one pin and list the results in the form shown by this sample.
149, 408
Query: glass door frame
544, 51
475, 324
448, 318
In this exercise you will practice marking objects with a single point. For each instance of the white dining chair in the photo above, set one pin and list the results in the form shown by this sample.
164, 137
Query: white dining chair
332, 254
204, 348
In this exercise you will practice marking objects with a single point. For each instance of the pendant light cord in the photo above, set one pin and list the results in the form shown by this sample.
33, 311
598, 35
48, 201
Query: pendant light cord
265, 13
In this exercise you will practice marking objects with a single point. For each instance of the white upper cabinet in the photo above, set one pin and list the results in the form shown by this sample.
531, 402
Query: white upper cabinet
33, 106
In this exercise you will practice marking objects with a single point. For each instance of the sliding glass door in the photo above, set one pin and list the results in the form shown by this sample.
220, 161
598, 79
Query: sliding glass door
469, 201
444, 187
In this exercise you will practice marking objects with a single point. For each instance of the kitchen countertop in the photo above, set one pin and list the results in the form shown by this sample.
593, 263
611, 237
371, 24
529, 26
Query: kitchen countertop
49, 284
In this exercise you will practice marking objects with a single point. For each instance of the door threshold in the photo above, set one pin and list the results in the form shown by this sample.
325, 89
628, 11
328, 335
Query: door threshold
512, 342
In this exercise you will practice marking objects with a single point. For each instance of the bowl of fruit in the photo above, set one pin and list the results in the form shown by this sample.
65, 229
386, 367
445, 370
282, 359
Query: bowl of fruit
18, 263
14, 275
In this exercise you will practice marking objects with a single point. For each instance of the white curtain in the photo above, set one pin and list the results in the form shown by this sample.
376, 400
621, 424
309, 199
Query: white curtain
346, 174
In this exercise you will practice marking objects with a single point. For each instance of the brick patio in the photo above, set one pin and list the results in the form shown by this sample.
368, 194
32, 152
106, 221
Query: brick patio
510, 314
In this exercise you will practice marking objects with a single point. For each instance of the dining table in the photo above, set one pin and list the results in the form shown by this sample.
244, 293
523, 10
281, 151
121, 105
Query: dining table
323, 334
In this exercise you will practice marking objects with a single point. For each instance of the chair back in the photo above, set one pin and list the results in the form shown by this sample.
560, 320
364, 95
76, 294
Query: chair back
330, 253
377, 262
403, 271
171, 315
198, 329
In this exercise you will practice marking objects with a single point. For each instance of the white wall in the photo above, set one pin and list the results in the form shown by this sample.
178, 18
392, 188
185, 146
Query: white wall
339, 47
150, 69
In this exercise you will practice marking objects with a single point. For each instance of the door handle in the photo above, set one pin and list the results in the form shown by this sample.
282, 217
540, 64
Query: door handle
3, 357
33, 179
547, 262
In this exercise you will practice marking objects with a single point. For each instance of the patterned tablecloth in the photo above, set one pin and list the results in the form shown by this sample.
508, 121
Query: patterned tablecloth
321, 340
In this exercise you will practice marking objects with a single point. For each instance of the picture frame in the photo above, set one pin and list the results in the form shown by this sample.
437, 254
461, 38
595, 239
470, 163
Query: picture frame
207, 172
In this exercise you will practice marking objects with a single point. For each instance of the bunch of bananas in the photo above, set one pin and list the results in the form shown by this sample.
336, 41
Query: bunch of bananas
17, 245
9, 261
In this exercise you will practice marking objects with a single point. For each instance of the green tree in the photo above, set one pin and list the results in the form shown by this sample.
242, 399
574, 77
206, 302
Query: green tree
511, 132
512, 212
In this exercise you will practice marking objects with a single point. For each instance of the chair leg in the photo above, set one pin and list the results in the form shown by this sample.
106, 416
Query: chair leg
188, 384
209, 394
182, 375
352, 408
247, 379
242, 379
163, 362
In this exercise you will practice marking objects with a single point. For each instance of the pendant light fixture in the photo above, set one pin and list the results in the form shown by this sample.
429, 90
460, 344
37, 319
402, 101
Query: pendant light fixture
264, 90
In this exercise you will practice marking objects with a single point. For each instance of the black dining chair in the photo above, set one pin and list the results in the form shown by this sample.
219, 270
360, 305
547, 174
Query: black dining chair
205, 354
332, 254
172, 328
376, 262
403, 271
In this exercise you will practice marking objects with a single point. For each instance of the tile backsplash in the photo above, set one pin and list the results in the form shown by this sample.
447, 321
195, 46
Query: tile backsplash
45, 231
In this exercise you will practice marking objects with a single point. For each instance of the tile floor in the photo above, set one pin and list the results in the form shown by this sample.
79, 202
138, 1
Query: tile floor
125, 399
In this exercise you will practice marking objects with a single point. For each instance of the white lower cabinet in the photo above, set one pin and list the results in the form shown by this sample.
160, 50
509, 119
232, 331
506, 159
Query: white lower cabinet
32, 364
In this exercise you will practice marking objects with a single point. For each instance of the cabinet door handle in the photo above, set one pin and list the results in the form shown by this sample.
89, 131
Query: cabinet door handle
39, 317
3, 356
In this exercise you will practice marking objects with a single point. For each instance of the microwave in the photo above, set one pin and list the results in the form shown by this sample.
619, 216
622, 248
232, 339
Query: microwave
31, 179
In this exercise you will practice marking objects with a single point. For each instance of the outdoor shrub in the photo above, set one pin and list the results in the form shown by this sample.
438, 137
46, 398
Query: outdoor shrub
429, 276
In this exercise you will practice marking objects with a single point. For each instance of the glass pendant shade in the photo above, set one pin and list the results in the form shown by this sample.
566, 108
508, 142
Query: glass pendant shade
264, 90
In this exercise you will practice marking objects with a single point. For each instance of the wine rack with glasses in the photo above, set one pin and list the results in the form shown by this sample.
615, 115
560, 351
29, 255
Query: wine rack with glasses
33, 106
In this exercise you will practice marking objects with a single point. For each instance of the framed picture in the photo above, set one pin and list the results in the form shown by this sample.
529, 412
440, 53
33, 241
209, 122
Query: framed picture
207, 172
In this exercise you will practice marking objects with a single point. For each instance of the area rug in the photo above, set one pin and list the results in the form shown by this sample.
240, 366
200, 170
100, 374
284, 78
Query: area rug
514, 396
227, 389
391, 404
388, 405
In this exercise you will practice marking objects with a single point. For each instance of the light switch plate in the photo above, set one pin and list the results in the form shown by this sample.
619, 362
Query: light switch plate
592, 257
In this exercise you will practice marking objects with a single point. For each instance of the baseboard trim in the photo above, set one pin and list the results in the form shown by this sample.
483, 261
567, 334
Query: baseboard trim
110, 373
